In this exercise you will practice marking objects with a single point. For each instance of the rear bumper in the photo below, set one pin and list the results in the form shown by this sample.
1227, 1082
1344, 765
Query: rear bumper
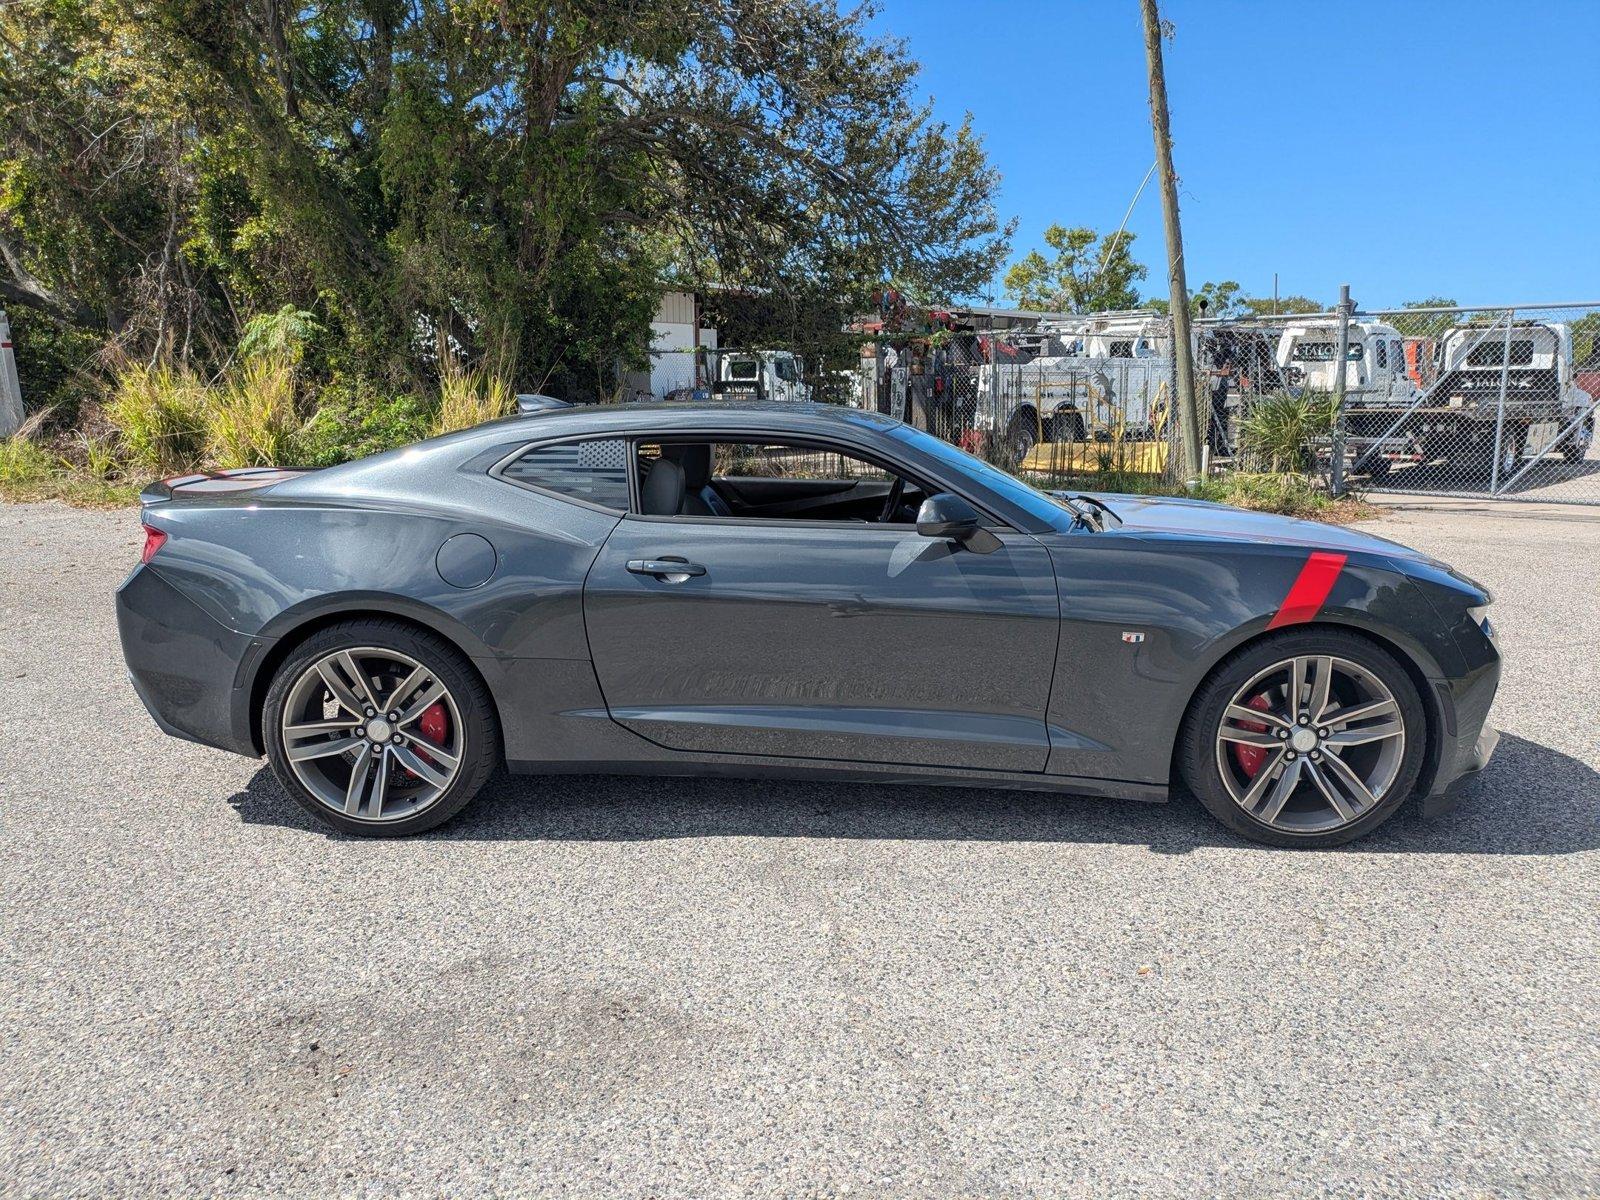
183, 663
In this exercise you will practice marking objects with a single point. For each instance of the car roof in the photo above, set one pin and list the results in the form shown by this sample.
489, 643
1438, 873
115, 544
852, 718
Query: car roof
690, 414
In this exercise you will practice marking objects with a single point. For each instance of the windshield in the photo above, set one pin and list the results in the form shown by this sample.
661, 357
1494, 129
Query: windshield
1026, 497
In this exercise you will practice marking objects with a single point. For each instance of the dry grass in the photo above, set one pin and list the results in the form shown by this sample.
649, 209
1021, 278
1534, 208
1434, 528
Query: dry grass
469, 398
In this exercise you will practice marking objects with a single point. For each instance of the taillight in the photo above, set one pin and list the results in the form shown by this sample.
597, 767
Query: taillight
154, 539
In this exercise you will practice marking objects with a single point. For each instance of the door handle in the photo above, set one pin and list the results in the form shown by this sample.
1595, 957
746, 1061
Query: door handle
672, 570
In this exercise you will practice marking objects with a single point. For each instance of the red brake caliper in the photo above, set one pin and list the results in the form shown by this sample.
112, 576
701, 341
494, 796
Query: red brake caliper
434, 726
1250, 758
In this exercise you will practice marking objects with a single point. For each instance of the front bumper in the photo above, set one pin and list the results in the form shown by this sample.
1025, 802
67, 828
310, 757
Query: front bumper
183, 663
1447, 793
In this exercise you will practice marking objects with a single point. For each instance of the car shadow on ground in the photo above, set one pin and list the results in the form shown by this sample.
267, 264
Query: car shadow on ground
1531, 800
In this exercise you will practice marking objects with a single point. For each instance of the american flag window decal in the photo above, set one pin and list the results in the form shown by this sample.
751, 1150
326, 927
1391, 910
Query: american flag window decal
595, 470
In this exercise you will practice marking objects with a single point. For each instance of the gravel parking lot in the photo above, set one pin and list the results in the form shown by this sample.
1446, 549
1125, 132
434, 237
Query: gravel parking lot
621, 987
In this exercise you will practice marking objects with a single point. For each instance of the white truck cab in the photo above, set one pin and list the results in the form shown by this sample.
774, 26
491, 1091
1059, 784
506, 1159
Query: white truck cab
1530, 364
762, 374
1375, 366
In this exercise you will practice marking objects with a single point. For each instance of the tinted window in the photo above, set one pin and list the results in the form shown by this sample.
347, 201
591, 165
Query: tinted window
595, 470
1381, 355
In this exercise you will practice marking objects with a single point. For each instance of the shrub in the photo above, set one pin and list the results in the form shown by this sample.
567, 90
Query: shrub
160, 416
24, 463
352, 421
468, 398
1278, 431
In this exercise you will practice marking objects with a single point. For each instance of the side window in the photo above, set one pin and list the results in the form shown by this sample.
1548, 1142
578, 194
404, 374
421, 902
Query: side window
770, 480
1397, 355
595, 470
1380, 358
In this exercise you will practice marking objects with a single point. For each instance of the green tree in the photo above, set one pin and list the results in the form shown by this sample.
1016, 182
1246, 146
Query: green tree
1426, 324
1087, 274
1263, 306
1221, 300
508, 183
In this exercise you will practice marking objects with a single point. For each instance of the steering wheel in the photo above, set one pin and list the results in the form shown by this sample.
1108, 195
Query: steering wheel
891, 506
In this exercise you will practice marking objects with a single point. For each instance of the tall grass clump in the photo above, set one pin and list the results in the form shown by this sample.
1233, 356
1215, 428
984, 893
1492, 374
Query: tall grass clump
468, 398
159, 411
252, 417
24, 464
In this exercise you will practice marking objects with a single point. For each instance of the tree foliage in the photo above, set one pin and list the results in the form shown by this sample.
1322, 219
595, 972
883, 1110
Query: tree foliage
1087, 274
508, 183
1266, 306
1426, 324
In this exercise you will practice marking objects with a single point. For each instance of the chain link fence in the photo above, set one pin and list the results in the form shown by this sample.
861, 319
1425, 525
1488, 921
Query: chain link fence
1483, 402
1081, 401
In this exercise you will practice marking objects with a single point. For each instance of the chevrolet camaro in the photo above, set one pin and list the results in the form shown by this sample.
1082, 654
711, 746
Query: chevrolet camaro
792, 590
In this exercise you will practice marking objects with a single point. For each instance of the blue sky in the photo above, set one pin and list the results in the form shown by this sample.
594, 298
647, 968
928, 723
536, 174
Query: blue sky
1409, 148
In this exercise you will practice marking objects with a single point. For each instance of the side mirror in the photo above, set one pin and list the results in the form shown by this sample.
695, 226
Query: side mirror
949, 516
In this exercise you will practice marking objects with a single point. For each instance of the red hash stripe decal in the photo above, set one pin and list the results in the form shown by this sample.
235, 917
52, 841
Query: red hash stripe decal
1309, 591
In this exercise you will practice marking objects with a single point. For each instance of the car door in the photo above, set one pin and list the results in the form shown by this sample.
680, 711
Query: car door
825, 640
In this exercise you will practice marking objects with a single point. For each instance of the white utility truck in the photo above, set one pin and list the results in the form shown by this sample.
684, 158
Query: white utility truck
1098, 377
761, 374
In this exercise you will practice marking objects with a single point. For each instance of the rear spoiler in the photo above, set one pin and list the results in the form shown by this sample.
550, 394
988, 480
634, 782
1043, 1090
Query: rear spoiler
242, 479
532, 402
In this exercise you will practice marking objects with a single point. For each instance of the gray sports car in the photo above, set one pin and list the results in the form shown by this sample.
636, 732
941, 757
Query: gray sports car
792, 590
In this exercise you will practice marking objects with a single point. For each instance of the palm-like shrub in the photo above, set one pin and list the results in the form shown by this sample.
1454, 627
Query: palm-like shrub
1279, 432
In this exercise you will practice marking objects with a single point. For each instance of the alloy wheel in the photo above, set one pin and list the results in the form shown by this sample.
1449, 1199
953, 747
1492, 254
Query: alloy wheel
372, 733
1311, 744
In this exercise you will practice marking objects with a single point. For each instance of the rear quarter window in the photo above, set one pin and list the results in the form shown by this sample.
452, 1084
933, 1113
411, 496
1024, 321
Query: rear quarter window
594, 471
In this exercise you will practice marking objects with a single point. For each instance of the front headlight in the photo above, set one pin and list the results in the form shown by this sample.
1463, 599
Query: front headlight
1480, 615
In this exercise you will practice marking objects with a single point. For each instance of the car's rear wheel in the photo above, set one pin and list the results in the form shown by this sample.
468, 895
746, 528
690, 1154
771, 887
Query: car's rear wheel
379, 728
1307, 738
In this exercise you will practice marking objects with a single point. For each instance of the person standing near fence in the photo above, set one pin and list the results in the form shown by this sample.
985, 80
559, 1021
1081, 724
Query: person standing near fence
1221, 368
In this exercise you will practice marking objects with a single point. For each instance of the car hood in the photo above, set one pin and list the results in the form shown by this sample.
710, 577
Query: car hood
1202, 518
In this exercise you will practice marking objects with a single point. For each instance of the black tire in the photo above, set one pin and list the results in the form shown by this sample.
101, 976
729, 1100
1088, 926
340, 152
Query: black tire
480, 730
1022, 435
1576, 447
1197, 740
1066, 427
1513, 443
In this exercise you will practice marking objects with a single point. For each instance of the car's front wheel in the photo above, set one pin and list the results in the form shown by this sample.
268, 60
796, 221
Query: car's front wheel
379, 728
1307, 738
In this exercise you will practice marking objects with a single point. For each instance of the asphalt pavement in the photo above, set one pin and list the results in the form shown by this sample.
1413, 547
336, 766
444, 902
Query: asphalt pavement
621, 987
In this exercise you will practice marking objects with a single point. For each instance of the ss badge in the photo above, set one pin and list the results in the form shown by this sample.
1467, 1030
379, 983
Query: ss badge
1130, 636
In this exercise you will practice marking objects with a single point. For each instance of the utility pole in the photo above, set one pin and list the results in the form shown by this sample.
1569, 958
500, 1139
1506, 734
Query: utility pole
1336, 455
1177, 286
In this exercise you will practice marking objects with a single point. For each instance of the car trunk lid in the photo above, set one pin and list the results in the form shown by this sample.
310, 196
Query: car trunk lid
231, 484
